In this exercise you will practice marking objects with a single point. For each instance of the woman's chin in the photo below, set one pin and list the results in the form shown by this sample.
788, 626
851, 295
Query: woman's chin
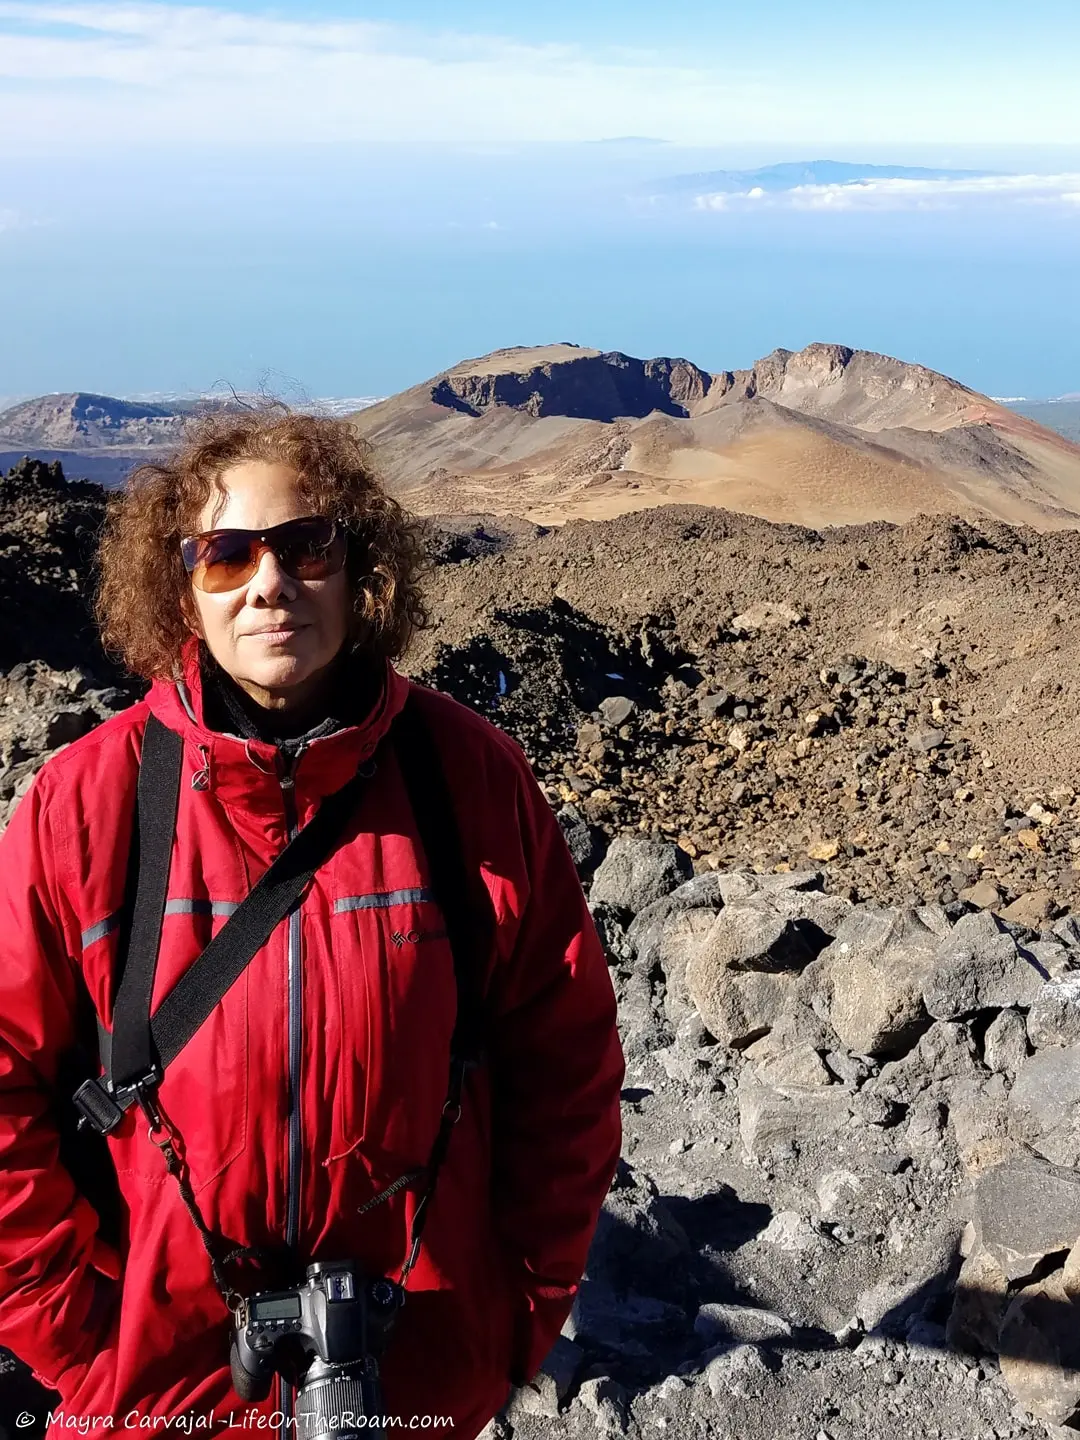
280, 676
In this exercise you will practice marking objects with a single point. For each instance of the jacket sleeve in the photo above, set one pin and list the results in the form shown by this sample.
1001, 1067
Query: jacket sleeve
557, 1072
54, 1294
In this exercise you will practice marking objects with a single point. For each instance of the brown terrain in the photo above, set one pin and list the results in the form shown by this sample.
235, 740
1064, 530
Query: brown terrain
825, 436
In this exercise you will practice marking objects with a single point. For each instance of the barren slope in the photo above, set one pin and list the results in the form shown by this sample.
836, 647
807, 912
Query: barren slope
823, 436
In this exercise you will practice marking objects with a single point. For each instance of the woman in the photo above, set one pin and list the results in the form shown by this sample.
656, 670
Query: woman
264, 583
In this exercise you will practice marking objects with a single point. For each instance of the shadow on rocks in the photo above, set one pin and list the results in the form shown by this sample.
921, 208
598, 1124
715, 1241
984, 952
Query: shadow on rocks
1031, 1327
660, 1296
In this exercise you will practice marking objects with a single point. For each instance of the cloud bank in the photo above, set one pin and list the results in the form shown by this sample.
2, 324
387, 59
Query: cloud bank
883, 195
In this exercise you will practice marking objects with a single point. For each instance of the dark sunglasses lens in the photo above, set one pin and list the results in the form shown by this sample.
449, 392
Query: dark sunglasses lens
225, 561
310, 549
305, 549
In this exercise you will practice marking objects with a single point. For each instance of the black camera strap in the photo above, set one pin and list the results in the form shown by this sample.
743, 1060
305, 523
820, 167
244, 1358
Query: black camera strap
466, 909
142, 1046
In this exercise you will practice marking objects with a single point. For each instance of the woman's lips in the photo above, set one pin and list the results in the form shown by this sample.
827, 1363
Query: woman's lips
277, 636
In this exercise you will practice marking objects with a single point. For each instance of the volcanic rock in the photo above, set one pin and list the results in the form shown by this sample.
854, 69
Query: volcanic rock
980, 966
1044, 1104
1054, 1017
873, 974
635, 872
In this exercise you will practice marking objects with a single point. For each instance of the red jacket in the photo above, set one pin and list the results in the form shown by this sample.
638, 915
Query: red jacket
349, 1006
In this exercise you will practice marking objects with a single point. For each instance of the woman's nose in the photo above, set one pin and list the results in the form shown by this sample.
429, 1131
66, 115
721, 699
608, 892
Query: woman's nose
270, 583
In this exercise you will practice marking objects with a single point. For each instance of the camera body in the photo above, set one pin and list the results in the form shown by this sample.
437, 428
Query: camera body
324, 1337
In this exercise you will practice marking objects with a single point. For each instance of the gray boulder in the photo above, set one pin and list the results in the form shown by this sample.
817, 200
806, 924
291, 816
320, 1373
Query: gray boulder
1044, 1104
1054, 1017
616, 710
873, 975
978, 1305
586, 842
752, 935
620, 1320
1039, 1351
737, 1007
979, 1115
980, 967
636, 871
796, 895
637, 1239
646, 931
550, 1388
611, 930
1025, 1210
1052, 956
782, 1066
605, 1407
737, 1371
944, 1055
747, 885
642, 1024
1005, 1047
917, 1283
682, 937
771, 1118
739, 1324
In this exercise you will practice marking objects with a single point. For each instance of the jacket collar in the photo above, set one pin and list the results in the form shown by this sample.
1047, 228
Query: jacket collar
248, 773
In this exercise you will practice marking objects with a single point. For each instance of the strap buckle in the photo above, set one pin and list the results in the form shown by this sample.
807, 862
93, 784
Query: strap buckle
102, 1105
97, 1108
142, 1092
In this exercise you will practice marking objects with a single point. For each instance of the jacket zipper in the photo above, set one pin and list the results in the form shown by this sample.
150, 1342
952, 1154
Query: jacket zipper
294, 1004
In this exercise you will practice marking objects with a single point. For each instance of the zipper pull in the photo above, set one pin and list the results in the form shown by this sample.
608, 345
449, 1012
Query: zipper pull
288, 778
201, 779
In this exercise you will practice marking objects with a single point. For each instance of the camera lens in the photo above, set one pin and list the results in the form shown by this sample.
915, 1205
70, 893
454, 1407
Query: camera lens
338, 1404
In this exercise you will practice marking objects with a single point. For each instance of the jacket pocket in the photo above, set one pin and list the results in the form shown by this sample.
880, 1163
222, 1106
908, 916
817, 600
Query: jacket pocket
397, 995
204, 1097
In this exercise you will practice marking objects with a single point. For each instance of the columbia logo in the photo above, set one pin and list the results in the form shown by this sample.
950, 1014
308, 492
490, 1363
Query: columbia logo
414, 937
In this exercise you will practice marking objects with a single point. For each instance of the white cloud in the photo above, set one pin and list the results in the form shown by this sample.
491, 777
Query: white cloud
904, 194
99, 73
92, 73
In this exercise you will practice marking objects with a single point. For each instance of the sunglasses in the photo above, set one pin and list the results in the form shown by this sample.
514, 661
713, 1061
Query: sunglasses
308, 549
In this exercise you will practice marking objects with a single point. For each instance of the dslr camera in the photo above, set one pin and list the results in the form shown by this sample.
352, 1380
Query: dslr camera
325, 1338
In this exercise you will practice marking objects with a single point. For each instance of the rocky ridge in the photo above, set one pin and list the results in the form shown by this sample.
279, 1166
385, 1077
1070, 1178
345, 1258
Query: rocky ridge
82, 421
826, 434
873, 390
587, 387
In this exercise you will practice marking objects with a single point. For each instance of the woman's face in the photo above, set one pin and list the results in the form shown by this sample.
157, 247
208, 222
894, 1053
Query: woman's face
274, 635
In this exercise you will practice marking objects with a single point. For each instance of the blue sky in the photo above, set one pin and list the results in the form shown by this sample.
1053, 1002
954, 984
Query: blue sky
73, 74
355, 195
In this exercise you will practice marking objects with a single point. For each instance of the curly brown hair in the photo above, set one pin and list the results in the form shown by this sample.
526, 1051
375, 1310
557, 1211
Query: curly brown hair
143, 589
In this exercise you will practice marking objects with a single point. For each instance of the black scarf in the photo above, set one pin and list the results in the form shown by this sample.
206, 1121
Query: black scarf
351, 689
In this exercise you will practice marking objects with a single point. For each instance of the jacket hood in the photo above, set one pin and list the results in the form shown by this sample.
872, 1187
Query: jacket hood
248, 773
